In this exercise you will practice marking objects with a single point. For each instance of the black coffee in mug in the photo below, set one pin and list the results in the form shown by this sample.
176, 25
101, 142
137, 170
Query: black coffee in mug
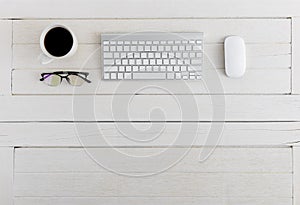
58, 41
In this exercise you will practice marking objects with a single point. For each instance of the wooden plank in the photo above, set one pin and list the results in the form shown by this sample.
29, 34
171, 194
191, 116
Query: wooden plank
53, 160
296, 59
5, 56
148, 9
88, 31
65, 134
99, 108
6, 175
163, 185
260, 56
150, 201
296, 176
277, 81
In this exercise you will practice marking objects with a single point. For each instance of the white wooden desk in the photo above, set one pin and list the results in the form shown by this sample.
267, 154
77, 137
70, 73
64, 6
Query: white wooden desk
257, 160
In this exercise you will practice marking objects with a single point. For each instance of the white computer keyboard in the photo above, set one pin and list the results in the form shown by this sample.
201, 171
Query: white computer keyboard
152, 56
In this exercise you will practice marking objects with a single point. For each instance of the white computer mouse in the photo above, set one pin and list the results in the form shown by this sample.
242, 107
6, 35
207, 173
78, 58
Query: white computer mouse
235, 56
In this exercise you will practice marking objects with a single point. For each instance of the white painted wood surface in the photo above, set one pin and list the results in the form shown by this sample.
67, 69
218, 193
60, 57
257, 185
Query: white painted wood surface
223, 160
267, 81
229, 176
150, 200
6, 175
259, 56
215, 30
147, 9
98, 108
5, 56
296, 56
269, 55
65, 134
164, 185
296, 176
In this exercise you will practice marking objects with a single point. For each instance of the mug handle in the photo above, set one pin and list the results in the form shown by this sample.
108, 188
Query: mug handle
45, 59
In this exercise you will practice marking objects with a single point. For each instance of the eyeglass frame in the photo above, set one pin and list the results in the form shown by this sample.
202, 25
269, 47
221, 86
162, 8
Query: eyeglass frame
66, 73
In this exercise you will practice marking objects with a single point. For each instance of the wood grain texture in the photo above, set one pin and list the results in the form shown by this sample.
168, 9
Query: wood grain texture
259, 56
98, 108
150, 200
6, 175
148, 9
267, 81
66, 134
215, 30
222, 160
5, 56
166, 185
296, 57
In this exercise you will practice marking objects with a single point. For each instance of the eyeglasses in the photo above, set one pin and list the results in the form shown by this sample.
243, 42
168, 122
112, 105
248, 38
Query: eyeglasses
72, 77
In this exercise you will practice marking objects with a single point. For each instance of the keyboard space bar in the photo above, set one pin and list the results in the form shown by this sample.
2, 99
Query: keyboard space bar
149, 76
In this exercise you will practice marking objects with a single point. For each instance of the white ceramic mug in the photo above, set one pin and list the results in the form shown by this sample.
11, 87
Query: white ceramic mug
46, 57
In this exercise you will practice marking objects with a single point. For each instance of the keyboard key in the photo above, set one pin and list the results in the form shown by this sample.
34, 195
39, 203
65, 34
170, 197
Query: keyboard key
197, 48
108, 55
135, 68
152, 62
113, 48
170, 68
122, 68
106, 76
147, 48
145, 76
119, 48
196, 62
150, 55
178, 75
108, 62
140, 48
142, 68
111, 68
143, 55
155, 68
126, 48
133, 48
164, 55
167, 48
120, 76
128, 68
176, 68
160, 48
149, 68
116, 55
153, 48
199, 55
106, 48
136, 55
185, 55
157, 55
170, 76
163, 68
113, 76
175, 48
125, 61
127, 76
166, 62
131, 62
